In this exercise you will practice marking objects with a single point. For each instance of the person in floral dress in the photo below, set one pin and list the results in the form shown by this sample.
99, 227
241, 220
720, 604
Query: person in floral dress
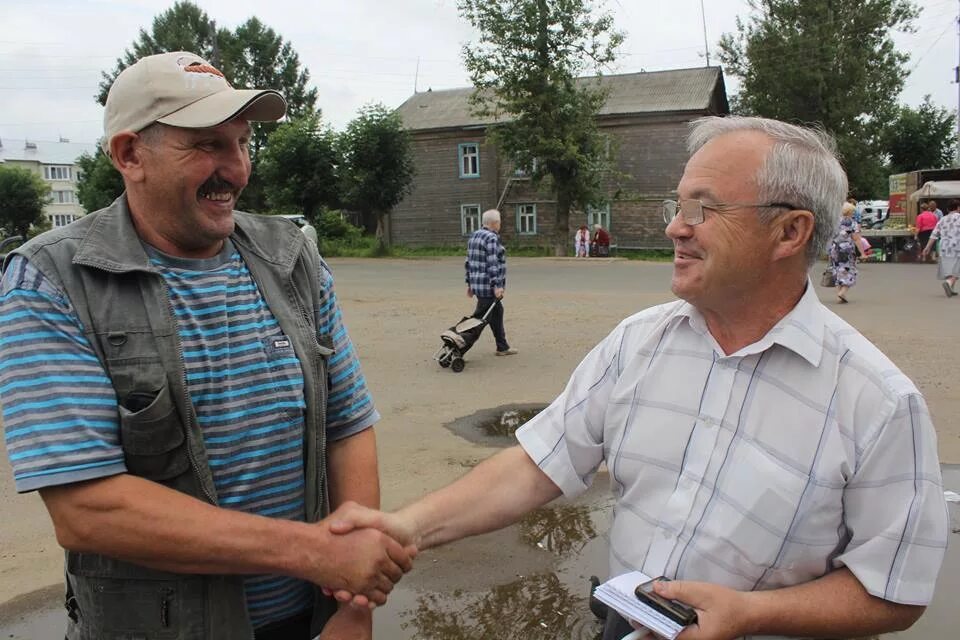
948, 232
844, 248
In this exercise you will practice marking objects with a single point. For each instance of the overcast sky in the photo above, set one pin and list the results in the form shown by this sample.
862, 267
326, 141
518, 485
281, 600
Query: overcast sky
361, 51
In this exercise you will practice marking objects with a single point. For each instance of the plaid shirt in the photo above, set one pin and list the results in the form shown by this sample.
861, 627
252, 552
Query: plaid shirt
486, 263
801, 453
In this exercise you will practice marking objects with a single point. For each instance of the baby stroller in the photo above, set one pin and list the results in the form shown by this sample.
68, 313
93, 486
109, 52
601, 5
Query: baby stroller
458, 339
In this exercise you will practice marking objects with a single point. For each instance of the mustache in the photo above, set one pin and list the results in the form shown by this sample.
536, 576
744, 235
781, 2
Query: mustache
218, 185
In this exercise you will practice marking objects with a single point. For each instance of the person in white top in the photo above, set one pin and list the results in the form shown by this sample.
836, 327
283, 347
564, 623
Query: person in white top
761, 452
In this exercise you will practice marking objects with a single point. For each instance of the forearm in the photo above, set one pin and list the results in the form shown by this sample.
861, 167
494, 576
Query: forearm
493, 495
352, 470
143, 522
353, 476
835, 605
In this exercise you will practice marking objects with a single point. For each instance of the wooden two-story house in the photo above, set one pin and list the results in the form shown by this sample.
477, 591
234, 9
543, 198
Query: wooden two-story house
459, 174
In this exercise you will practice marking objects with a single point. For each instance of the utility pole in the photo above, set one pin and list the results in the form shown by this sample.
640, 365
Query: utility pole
706, 48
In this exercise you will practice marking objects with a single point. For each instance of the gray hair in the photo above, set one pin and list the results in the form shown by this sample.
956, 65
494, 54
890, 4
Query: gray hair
802, 168
152, 134
490, 215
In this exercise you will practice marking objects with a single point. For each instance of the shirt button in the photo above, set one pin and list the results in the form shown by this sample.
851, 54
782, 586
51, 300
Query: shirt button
666, 534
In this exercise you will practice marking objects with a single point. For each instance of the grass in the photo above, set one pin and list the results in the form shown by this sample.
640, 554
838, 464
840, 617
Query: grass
367, 247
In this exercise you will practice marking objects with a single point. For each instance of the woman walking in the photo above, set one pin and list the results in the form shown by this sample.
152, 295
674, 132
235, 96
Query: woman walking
948, 232
844, 248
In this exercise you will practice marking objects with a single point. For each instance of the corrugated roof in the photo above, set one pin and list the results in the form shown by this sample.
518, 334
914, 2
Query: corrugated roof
12, 149
630, 93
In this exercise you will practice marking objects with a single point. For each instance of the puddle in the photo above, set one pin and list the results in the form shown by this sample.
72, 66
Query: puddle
559, 530
495, 427
536, 607
528, 581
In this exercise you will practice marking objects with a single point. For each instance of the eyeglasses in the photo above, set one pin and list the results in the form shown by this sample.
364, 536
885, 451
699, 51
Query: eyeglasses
692, 210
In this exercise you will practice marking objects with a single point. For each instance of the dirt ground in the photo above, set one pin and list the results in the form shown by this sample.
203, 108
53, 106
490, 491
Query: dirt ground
556, 310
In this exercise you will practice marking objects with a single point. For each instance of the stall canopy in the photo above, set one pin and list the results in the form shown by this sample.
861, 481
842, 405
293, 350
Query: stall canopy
939, 189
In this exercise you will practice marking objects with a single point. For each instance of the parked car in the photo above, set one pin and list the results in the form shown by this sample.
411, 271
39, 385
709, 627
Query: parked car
875, 213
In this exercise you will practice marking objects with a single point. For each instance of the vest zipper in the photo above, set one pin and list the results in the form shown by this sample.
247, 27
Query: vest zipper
165, 594
320, 434
188, 405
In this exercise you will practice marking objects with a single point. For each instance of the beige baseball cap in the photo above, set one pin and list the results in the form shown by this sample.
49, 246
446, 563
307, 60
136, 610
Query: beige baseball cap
181, 89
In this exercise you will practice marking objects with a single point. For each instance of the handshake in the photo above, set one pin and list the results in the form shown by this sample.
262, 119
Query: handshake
365, 553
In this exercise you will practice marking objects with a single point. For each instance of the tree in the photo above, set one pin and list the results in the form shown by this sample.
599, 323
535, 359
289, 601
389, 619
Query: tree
298, 168
253, 56
183, 27
377, 165
827, 62
922, 138
526, 65
23, 195
100, 183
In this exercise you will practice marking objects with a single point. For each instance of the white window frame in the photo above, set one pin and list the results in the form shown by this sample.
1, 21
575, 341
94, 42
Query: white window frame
464, 156
53, 172
598, 215
62, 219
527, 211
468, 213
63, 196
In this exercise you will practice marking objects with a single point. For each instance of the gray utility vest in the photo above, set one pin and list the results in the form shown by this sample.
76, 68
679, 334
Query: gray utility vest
123, 305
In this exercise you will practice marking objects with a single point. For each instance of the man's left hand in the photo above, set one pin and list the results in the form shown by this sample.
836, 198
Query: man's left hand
349, 623
721, 612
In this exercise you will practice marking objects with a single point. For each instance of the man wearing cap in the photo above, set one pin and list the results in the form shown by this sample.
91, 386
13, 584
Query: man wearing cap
178, 385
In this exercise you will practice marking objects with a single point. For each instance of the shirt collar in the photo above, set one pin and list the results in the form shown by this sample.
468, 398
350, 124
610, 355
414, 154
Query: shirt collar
800, 331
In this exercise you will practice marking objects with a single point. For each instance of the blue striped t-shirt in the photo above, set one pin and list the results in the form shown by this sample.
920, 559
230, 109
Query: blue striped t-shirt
246, 385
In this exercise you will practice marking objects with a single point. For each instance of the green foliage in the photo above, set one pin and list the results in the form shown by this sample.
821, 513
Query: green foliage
525, 64
331, 225
256, 57
377, 163
298, 167
100, 183
827, 62
23, 194
253, 56
922, 138
183, 27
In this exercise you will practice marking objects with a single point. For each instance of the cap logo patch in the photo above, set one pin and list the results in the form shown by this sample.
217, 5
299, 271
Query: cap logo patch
197, 67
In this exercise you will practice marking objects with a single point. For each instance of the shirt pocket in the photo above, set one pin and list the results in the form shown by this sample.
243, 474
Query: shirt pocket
152, 436
758, 500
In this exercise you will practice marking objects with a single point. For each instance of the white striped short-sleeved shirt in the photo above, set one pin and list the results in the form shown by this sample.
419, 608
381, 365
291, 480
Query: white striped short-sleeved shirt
801, 453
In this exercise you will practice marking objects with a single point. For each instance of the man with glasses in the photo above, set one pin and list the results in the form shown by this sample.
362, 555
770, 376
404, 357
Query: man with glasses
762, 453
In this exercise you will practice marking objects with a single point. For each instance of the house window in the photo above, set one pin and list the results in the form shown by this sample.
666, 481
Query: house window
526, 219
54, 172
520, 172
63, 197
62, 219
469, 155
599, 215
469, 218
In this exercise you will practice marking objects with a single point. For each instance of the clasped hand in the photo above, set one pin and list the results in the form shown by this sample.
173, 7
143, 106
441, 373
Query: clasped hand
363, 558
369, 553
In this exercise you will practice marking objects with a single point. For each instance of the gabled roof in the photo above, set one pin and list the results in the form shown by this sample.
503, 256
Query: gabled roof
629, 93
43, 152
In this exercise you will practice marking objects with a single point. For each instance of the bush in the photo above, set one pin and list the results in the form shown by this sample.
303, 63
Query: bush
330, 225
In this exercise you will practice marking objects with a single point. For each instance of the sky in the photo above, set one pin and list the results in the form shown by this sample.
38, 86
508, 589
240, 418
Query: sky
364, 51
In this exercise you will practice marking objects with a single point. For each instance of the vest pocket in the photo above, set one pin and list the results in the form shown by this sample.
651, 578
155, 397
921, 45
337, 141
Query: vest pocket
152, 437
